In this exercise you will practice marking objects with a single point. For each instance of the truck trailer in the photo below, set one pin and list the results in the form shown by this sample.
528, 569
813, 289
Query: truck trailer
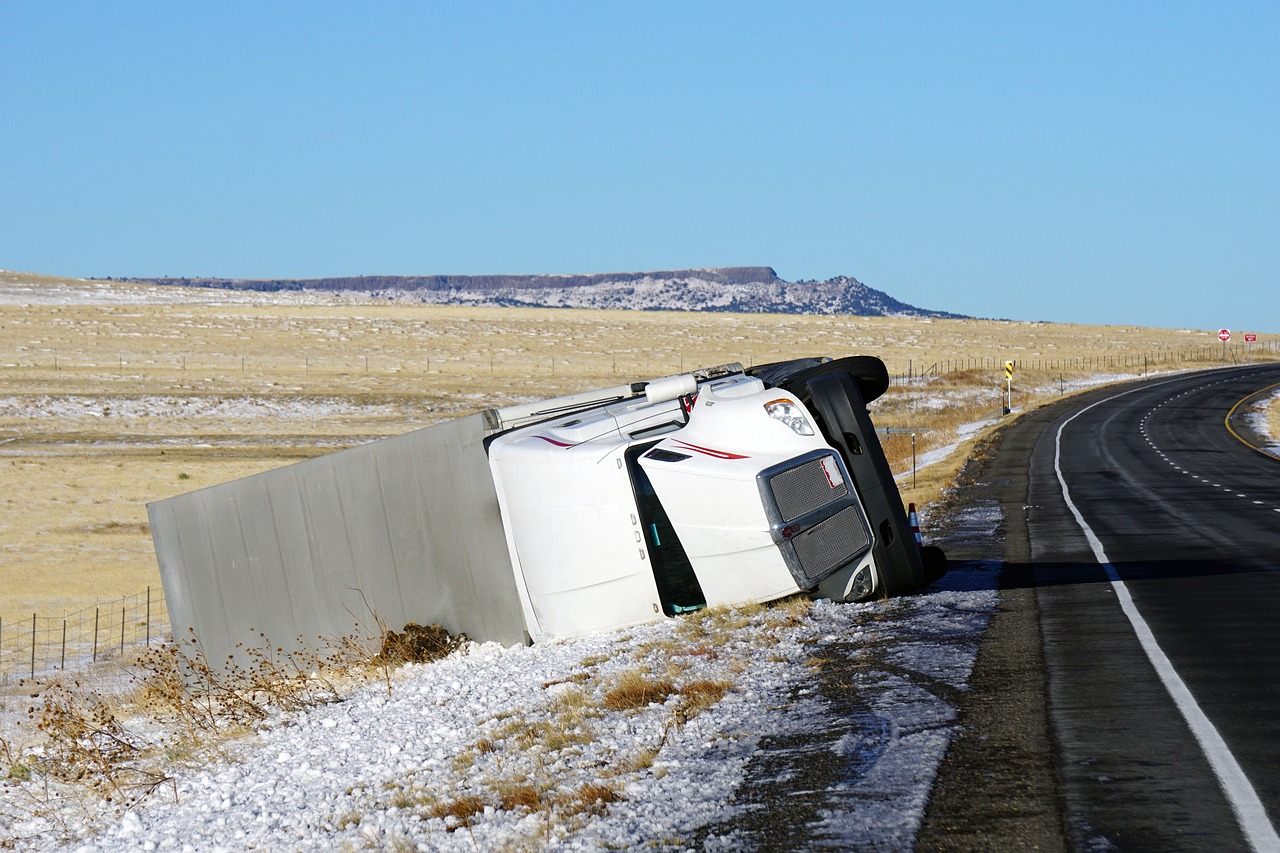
580, 514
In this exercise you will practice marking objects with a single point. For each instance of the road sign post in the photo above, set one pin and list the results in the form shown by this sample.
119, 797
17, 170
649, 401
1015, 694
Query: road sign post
1008, 387
1224, 335
903, 431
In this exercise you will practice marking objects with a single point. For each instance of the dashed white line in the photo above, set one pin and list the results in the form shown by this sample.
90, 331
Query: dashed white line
1178, 468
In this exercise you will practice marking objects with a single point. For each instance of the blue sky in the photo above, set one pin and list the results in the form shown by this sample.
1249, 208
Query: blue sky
1099, 162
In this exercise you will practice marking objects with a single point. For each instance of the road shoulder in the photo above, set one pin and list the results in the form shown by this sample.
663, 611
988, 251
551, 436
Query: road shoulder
997, 787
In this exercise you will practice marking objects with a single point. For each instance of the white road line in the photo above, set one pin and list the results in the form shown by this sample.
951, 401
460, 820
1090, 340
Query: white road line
1250, 812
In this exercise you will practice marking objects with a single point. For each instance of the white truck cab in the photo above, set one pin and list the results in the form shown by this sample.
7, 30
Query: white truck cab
713, 487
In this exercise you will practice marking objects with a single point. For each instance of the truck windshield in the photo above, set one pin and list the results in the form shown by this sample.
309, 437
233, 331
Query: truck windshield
678, 586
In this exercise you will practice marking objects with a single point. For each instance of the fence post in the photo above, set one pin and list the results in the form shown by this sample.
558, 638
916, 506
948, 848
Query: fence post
63, 666
148, 617
913, 460
95, 634
33, 645
122, 609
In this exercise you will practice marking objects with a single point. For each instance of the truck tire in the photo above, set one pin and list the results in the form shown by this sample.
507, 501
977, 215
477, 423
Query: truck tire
935, 563
869, 372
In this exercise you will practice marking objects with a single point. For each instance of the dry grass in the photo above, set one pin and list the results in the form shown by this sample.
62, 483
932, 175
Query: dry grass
112, 396
122, 741
461, 810
702, 694
637, 689
588, 798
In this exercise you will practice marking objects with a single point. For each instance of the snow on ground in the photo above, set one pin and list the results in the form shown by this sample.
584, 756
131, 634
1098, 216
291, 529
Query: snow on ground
19, 289
941, 454
969, 430
860, 689
231, 408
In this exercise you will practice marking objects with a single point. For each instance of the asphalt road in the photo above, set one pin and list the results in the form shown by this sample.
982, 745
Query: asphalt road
1127, 695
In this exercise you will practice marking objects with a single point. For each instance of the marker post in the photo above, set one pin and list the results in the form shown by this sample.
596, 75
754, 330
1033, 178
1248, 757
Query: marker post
1008, 387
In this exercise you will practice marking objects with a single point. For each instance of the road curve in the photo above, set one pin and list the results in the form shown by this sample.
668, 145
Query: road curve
1127, 696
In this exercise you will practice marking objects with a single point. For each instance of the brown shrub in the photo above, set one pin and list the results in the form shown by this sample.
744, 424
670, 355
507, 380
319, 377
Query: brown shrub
702, 694
591, 798
463, 808
524, 797
418, 644
635, 690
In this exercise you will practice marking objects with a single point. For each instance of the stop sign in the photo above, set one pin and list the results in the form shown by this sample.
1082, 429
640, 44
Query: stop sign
1224, 335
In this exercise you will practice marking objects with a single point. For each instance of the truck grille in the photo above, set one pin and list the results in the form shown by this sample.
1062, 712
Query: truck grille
814, 516
805, 488
831, 543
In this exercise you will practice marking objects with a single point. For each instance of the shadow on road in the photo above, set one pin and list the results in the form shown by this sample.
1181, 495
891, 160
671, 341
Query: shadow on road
1040, 575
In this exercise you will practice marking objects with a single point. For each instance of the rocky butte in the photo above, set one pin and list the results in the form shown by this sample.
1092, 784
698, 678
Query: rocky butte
738, 289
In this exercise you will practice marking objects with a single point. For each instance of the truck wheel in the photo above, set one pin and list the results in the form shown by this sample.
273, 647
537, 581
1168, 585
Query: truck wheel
869, 372
778, 374
935, 563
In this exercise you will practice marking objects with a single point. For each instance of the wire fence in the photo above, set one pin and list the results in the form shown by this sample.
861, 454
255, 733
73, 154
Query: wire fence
507, 361
42, 645
1143, 361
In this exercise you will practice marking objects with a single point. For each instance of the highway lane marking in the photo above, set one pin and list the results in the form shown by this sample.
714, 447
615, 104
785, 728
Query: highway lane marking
1142, 428
1248, 808
1227, 421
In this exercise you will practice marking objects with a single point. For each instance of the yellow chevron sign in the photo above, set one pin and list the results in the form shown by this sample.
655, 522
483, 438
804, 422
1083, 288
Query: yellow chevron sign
1008, 370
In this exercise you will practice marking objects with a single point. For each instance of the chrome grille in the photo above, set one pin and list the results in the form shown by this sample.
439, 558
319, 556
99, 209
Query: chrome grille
832, 543
803, 489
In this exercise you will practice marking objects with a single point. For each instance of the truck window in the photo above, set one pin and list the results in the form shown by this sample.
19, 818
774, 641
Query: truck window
678, 586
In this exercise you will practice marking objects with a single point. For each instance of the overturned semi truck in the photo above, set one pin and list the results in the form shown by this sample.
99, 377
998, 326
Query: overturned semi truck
580, 514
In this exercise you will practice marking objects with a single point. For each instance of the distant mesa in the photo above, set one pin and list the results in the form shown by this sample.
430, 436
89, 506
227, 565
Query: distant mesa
753, 290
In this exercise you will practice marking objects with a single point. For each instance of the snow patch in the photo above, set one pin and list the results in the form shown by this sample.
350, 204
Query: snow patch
361, 772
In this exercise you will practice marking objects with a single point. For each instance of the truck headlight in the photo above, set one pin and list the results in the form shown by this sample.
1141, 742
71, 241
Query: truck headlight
863, 583
790, 414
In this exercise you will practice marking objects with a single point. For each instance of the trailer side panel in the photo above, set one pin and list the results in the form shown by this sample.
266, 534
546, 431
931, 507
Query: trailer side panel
405, 529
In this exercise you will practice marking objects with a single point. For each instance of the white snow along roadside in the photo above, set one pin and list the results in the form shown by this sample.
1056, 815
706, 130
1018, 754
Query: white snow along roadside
381, 769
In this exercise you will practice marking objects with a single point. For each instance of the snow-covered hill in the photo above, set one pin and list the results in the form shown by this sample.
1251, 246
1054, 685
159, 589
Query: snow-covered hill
739, 289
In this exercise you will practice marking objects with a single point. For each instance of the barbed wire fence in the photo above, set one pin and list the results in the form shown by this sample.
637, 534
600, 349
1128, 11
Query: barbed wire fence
41, 645
632, 363
1205, 354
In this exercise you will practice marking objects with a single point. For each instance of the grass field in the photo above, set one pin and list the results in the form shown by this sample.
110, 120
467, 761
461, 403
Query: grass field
115, 395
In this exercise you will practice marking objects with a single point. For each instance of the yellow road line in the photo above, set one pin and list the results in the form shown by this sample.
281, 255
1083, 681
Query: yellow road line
1240, 438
